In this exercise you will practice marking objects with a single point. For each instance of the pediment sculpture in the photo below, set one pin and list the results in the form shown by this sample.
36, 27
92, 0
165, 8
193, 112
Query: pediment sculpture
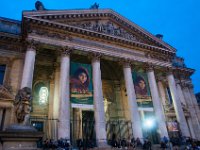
106, 27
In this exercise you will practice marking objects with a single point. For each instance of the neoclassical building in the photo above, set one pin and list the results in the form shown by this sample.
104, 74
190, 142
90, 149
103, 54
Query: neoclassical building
95, 74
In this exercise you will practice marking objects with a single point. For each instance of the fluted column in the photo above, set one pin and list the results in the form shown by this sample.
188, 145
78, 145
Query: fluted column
132, 102
193, 113
177, 106
185, 99
162, 93
190, 124
100, 126
157, 103
56, 100
28, 69
180, 94
64, 108
194, 102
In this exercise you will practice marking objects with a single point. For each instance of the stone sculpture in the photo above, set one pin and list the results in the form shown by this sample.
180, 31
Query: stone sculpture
39, 6
22, 105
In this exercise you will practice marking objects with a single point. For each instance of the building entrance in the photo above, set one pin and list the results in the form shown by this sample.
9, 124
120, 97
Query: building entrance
88, 128
83, 128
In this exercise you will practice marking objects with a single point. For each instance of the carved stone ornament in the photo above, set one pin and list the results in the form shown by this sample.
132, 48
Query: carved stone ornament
127, 63
94, 6
22, 105
31, 45
149, 67
39, 6
66, 50
169, 71
5, 94
107, 28
95, 56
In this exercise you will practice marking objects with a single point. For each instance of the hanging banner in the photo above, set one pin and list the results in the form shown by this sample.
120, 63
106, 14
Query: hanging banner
142, 89
81, 85
172, 126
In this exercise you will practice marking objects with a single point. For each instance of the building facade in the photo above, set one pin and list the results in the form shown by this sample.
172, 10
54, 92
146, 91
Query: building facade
94, 75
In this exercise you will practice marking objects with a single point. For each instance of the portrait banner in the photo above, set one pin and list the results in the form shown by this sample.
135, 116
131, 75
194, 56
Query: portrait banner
81, 95
142, 89
172, 126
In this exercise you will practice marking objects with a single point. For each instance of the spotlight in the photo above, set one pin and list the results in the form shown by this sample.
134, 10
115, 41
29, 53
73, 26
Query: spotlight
149, 123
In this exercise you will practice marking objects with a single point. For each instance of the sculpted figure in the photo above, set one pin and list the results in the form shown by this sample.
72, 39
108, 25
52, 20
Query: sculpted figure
95, 6
23, 105
39, 6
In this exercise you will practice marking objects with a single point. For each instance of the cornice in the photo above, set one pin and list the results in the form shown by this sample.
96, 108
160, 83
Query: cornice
10, 37
78, 30
9, 42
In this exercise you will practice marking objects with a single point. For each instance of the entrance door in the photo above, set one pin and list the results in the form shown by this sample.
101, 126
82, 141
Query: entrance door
88, 126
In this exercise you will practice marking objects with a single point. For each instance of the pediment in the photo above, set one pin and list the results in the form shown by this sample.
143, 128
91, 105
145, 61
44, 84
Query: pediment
105, 27
103, 21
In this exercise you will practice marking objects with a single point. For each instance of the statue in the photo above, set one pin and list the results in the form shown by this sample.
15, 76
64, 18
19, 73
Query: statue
94, 6
39, 6
23, 105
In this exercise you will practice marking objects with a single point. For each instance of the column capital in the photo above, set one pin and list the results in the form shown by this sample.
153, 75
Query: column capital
95, 56
149, 67
31, 45
169, 71
126, 62
66, 50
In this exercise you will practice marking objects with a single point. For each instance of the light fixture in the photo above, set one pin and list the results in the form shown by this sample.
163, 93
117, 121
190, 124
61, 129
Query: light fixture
43, 95
149, 123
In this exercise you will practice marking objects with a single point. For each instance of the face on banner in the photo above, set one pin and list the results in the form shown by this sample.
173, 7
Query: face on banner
142, 90
81, 84
172, 126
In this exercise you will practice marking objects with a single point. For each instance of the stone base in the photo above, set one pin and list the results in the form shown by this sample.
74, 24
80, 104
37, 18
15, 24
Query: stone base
102, 144
24, 138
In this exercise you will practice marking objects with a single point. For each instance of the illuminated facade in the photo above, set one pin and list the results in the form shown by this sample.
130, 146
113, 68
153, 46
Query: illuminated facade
93, 73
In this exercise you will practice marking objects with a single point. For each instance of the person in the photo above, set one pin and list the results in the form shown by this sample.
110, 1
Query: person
140, 87
80, 81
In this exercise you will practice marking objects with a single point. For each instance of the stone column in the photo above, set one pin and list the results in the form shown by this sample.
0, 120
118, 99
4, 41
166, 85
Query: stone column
100, 126
194, 102
193, 113
64, 108
50, 132
56, 100
191, 128
119, 103
180, 94
159, 114
132, 102
162, 93
183, 96
28, 70
177, 105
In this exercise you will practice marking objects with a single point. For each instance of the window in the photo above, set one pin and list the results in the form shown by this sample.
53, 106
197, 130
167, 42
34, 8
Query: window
169, 96
2, 72
43, 95
38, 125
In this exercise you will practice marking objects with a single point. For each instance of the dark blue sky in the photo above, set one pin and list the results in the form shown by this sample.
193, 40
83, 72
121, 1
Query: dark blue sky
177, 20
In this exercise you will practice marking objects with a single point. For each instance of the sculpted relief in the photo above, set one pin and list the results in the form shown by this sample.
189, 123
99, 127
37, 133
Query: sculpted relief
105, 27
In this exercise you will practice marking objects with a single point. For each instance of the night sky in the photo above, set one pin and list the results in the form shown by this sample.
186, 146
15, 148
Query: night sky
177, 20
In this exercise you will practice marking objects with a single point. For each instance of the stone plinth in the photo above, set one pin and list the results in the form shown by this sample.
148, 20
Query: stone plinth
24, 138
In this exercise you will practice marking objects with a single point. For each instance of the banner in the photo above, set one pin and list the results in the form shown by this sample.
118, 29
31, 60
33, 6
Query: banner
142, 89
172, 126
81, 85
